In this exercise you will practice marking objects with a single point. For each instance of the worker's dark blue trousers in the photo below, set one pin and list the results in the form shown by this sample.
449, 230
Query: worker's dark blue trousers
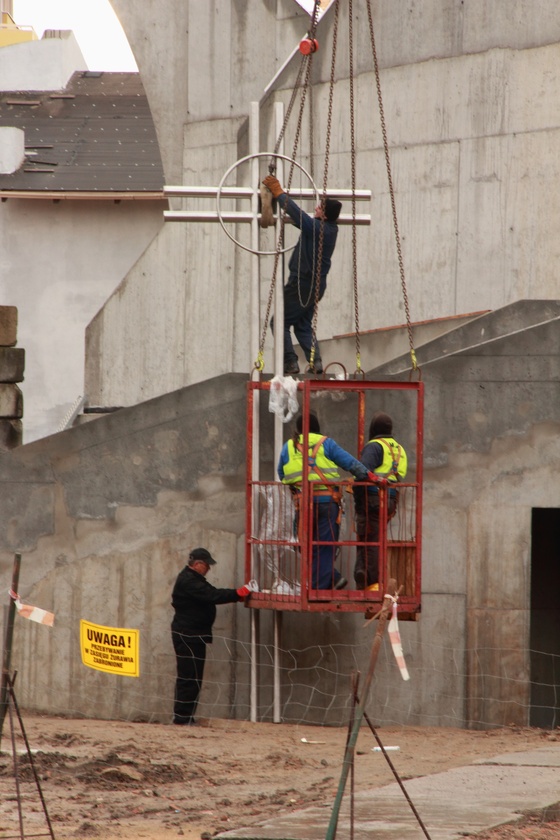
299, 303
323, 557
366, 570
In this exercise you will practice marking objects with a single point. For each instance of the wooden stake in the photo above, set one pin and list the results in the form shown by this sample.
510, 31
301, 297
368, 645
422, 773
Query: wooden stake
7, 653
360, 708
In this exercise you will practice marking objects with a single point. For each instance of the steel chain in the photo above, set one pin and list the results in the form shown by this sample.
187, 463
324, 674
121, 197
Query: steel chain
325, 179
391, 189
305, 65
353, 175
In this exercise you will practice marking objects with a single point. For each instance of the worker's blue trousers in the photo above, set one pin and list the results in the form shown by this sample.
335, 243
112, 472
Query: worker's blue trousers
325, 528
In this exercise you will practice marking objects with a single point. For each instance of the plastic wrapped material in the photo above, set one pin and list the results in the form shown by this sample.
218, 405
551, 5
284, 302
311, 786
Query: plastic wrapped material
283, 398
279, 555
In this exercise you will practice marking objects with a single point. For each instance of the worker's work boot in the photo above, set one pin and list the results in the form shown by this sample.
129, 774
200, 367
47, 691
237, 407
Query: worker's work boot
360, 578
291, 368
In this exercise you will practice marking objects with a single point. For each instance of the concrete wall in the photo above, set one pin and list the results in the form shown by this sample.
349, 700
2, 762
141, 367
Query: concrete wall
60, 262
41, 65
468, 95
99, 513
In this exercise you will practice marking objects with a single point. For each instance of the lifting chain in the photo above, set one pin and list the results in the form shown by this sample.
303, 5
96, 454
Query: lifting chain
325, 178
391, 189
305, 72
353, 175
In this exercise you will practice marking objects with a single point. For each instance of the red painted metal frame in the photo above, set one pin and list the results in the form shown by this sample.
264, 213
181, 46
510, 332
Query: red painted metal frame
347, 600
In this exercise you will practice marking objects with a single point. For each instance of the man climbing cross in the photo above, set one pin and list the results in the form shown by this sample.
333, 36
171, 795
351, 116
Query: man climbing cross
299, 291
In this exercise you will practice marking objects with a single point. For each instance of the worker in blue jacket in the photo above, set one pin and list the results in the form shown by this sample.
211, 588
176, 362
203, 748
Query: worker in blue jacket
299, 291
324, 458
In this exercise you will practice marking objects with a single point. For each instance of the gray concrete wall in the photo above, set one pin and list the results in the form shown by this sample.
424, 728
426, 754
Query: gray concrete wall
100, 512
60, 262
491, 445
41, 65
102, 515
469, 97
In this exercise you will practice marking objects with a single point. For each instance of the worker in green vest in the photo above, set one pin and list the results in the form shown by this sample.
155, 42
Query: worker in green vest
387, 460
324, 457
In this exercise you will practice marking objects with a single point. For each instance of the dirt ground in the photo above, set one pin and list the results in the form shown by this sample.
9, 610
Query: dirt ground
125, 781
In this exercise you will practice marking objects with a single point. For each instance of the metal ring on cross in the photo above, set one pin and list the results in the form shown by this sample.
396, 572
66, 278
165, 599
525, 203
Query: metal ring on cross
226, 176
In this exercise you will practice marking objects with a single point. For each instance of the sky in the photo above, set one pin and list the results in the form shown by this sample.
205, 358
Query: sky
94, 23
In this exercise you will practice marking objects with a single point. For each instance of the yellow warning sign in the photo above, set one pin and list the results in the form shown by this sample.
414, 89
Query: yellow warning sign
110, 649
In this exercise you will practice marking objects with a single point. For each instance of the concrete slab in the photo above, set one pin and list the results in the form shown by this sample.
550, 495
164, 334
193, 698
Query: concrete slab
451, 805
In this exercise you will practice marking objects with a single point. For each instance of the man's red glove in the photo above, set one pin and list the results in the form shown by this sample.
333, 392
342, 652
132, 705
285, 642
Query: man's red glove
243, 591
273, 185
377, 479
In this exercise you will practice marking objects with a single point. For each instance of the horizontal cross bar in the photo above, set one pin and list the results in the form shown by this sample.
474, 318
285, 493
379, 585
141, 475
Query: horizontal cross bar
248, 192
237, 216
209, 192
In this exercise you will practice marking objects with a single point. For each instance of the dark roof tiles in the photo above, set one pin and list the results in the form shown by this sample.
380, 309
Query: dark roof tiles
95, 136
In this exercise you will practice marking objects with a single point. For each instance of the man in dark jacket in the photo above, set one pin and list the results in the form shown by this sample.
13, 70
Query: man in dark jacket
299, 291
387, 463
194, 601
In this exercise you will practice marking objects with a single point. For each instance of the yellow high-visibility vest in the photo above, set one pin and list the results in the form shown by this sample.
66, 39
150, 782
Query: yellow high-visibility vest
395, 462
320, 467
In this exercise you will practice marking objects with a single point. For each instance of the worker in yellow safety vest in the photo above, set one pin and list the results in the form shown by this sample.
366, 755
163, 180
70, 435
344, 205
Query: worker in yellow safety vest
387, 460
324, 457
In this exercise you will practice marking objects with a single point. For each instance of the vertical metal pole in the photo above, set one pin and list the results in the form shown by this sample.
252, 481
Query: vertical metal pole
278, 433
254, 338
8, 637
277, 647
419, 486
254, 144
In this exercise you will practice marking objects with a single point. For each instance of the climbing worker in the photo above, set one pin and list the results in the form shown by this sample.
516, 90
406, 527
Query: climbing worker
324, 456
387, 460
299, 291
194, 600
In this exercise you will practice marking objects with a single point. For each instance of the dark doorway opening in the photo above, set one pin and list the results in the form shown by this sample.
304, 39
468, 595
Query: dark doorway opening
545, 618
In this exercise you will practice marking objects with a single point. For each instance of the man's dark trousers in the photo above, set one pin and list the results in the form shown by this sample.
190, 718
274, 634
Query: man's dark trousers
191, 656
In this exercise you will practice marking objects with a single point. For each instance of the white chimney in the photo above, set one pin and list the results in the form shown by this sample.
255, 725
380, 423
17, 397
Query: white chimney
12, 149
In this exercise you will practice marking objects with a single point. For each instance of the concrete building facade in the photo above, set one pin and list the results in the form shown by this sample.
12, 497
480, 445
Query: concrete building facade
101, 512
468, 96
72, 221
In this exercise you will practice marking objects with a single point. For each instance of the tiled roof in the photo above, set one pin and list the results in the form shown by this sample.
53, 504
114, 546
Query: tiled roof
96, 135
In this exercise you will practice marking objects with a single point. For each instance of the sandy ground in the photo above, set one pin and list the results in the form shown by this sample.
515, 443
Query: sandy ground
120, 781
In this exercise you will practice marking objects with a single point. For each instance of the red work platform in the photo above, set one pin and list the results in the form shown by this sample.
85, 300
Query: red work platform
278, 553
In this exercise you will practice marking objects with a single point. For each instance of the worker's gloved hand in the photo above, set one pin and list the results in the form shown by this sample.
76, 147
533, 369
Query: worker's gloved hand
252, 586
243, 591
377, 479
273, 185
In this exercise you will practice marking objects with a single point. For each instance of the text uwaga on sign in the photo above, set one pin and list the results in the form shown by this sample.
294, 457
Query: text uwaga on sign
114, 650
